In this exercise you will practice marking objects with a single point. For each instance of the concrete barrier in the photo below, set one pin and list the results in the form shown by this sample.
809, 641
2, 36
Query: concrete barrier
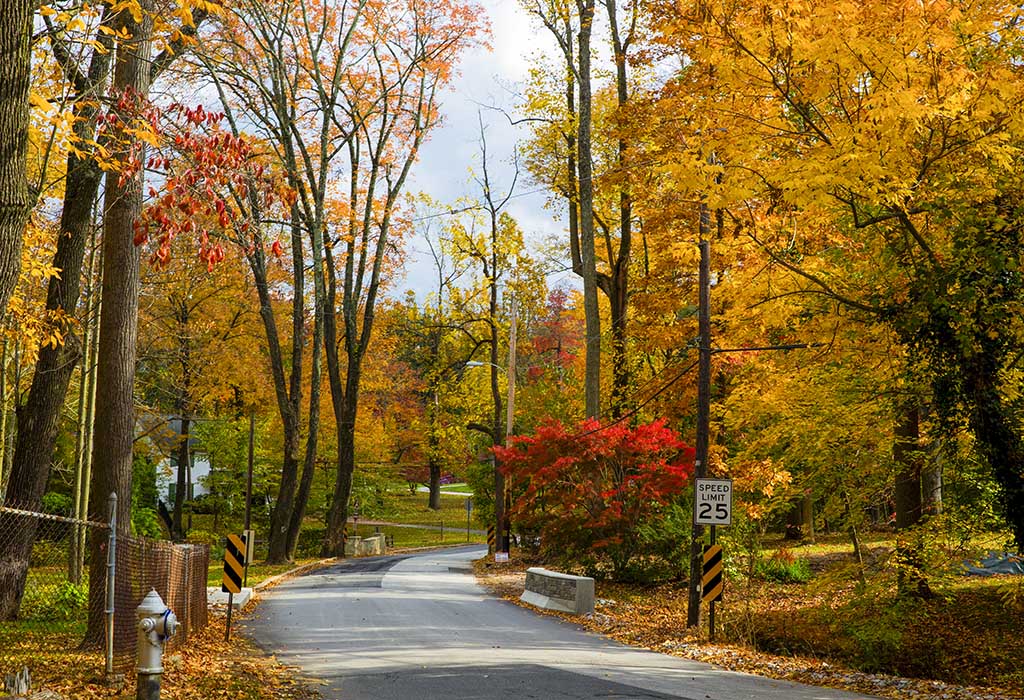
552, 590
364, 546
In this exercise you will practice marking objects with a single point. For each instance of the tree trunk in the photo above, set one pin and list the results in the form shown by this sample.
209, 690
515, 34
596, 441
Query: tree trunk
591, 308
289, 402
931, 488
309, 464
115, 378
16, 201
3, 417
434, 498
337, 516
906, 452
40, 417
807, 516
618, 282
794, 522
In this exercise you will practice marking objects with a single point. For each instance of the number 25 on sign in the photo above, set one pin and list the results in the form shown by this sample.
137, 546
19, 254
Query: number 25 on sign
712, 501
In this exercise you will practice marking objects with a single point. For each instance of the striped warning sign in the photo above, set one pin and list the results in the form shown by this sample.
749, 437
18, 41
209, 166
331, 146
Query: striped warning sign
234, 564
711, 583
490, 537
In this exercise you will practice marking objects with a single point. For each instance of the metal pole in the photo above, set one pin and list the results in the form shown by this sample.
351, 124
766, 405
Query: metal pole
111, 583
248, 496
231, 606
711, 605
510, 411
248, 478
468, 511
703, 413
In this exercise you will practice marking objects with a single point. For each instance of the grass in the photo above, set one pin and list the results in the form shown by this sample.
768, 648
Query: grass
408, 538
412, 509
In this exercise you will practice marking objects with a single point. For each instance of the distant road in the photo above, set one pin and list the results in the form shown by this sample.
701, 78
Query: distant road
454, 527
424, 489
419, 627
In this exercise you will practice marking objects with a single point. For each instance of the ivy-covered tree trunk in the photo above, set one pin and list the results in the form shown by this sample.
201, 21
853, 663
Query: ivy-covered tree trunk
998, 438
16, 199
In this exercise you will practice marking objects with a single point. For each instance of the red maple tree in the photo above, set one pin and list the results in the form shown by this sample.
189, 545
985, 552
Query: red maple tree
590, 493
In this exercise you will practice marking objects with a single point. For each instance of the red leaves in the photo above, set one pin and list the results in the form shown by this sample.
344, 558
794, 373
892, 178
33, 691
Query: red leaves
275, 248
591, 490
205, 171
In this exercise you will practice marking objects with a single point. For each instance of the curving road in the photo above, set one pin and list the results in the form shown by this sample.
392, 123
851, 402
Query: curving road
419, 627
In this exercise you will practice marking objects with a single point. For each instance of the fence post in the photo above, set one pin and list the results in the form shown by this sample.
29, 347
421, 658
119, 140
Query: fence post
111, 584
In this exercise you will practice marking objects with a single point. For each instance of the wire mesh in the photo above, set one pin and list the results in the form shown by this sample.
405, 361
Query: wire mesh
177, 572
44, 591
50, 620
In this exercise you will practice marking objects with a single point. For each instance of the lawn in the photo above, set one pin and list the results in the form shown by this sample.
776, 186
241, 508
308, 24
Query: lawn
412, 508
408, 538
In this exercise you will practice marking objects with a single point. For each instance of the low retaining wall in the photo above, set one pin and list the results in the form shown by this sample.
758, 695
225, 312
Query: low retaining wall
552, 590
364, 546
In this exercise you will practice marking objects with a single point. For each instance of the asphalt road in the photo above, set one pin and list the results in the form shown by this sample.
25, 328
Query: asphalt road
412, 627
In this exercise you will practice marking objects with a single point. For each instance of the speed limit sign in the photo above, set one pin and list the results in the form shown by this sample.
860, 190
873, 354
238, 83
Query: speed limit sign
712, 501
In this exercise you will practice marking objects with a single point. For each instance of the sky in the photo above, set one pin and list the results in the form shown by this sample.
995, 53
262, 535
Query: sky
488, 78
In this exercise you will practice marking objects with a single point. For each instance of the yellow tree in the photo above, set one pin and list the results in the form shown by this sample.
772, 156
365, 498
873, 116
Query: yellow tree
871, 151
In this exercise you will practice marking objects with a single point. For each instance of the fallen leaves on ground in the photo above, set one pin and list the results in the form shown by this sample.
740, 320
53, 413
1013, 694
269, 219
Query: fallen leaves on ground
208, 668
654, 617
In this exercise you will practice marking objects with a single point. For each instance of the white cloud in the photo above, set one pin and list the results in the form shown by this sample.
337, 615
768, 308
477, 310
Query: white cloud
488, 78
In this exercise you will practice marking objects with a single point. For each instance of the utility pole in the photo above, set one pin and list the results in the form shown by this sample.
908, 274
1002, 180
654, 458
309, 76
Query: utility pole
703, 411
504, 529
250, 547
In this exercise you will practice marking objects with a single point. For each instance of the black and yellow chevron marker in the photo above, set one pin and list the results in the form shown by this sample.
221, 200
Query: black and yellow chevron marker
490, 537
711, 583
234, 564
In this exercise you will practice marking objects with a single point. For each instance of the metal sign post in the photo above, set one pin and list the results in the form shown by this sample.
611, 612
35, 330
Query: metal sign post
234, 572
712, 506
469, 510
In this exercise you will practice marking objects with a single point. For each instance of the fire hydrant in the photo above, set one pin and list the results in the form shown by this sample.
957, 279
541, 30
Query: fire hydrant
156, 624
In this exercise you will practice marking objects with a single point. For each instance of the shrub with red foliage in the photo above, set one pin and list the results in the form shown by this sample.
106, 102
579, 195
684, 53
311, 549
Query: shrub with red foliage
591, 494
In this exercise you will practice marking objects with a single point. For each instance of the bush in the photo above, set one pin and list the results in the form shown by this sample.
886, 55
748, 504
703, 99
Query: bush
146, 523
57, 504
599, 496
783, 567
66, 601
309, 542
48, 553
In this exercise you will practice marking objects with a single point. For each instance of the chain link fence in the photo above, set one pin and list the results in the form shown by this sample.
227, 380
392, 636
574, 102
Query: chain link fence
44, 590
51, 624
